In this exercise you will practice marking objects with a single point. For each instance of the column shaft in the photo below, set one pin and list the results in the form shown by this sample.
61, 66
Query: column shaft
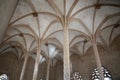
66, 57
24, 66
48, 70
37, 60
97, 58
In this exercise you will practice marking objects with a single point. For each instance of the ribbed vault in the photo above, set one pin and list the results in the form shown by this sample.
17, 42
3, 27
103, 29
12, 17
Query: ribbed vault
38, 24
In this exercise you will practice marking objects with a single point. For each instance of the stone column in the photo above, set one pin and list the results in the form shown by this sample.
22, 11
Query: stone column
7, 8
37, 61
97, 58
24, 66
66, 58
48, 69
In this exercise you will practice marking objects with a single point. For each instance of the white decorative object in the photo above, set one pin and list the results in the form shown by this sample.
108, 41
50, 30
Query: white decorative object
76, 76
4, 77
96, 76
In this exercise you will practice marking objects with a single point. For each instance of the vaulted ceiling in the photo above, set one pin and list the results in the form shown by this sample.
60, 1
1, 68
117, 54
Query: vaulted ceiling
43, 19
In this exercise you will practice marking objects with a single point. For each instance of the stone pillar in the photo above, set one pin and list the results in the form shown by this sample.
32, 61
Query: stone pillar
97, 58
48, 69
7, 8
24, 66
37, 61
66, 58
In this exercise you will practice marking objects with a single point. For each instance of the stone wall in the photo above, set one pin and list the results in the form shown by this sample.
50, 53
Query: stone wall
10, 65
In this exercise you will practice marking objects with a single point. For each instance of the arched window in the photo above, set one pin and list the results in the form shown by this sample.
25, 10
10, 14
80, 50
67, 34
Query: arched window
76, 76
96, 76
4, 77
